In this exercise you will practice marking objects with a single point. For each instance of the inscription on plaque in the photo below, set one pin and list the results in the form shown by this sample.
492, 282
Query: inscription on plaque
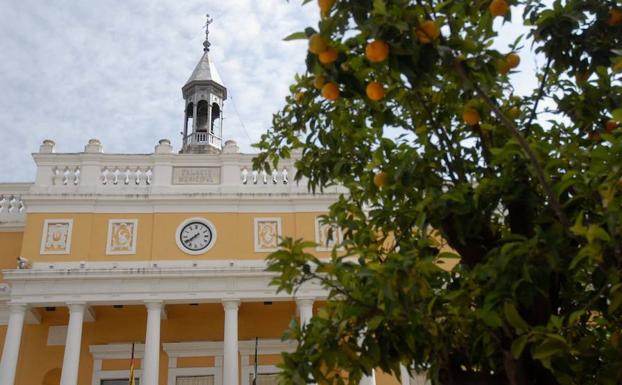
196, 175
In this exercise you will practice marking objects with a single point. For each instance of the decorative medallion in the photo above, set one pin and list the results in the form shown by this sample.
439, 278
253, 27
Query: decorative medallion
56, 236
267, 234
121, 236
327, 235
195, 236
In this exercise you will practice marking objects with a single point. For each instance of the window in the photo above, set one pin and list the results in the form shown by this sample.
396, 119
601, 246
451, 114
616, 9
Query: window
121, 381
265, 379
194, 380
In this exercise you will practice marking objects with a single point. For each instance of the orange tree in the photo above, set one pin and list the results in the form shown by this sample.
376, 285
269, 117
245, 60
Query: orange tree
413, 112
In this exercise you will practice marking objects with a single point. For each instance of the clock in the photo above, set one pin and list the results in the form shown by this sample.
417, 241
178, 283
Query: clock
195, 236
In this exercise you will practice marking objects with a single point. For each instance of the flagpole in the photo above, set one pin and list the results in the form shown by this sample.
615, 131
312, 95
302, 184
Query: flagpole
255, 377
131, 379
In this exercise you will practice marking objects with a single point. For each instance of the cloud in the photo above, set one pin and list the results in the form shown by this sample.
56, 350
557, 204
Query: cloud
113, 70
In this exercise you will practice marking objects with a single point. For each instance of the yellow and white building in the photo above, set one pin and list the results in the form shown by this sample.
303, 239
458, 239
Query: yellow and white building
163, 250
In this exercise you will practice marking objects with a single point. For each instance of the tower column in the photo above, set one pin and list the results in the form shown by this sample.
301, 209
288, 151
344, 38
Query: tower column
185, 126
230, 364
151, 361
13, 339
71, 359
194, 117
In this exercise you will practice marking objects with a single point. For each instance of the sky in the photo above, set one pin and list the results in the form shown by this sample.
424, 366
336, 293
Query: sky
113, 70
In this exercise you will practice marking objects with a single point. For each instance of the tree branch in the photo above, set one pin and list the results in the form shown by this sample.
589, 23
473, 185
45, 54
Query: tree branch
545, 75
521, 141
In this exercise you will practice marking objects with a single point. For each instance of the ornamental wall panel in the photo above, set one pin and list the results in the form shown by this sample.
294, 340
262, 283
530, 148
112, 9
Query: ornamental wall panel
122, 235
267, 234
56, 236
327, 235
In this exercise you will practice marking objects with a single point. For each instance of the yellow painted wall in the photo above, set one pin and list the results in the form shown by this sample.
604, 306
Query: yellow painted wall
10, 247
156, 235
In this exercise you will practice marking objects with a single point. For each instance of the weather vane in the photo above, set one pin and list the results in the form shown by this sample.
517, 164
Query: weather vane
206, 43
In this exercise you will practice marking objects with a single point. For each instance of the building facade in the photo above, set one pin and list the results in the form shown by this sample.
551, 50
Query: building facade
164, 252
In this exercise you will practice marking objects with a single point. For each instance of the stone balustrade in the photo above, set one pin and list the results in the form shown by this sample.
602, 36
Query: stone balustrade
93, 171
12, 207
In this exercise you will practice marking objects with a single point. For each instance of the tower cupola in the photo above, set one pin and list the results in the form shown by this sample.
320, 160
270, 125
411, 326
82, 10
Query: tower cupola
204, 95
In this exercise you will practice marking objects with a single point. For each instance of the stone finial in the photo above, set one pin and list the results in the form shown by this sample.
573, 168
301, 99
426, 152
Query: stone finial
94, 146
164, 147
47, 146
231, 147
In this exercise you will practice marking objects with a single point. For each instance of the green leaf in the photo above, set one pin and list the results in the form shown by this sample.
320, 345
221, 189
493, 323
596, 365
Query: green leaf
548, 348
617, 114
380, 7
511, 314
519, 345
296, 36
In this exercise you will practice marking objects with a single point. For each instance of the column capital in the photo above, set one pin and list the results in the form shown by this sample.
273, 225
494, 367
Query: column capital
17, 308
231, 304
154, 305
75, 307
305, 301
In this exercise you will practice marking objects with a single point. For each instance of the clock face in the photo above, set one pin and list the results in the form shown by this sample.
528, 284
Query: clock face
196, 236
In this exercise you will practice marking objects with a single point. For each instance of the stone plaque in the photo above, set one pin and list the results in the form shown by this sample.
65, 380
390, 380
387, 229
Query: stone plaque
196, 175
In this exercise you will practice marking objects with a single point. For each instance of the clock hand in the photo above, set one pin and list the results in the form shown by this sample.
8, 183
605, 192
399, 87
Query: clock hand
192, 238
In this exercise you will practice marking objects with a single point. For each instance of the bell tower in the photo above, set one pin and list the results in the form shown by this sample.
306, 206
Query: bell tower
204, 95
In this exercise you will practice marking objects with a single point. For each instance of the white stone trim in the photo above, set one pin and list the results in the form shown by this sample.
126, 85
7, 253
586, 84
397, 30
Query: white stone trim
198, 203
194, 349
279, 231
135, 283
114, 352
99, 375
112, 222
44, 236
202, 220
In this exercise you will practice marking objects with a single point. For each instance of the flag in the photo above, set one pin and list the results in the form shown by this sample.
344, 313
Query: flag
132, 380
255, 377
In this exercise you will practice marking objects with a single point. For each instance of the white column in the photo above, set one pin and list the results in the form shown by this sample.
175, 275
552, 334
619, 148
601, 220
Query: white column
404, 375
369, 380
305, 308
13, 338
230, 366
71, 360
151, 360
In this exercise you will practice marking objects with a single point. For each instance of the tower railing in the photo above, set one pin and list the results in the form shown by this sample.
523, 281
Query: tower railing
204, 137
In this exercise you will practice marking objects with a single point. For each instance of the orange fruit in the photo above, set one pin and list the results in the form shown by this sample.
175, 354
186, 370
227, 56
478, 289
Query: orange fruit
328, 56
317, 44
499, 8
611, 125
503, 67
615, 17
377, 51
375, 91
325, 6
318, 82
471, 117
428, 31
512, 59
381, 179
330, 91
514, 112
